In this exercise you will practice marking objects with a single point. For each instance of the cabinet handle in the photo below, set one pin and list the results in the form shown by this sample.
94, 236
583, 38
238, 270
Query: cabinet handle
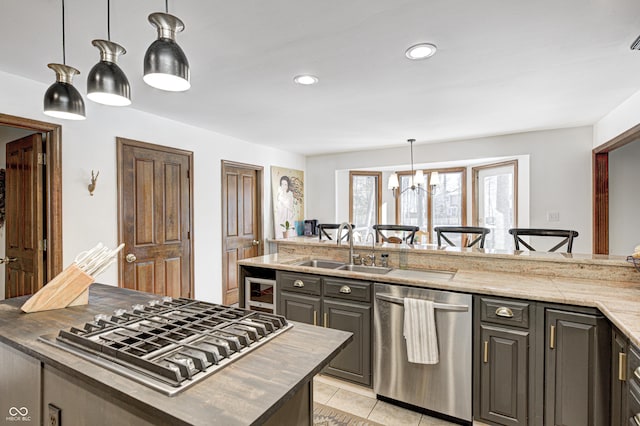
486, 352
504, 312
636, 419
325, 320
636, 373
552, 337
315, 317
622, 366
345, 289
298, 283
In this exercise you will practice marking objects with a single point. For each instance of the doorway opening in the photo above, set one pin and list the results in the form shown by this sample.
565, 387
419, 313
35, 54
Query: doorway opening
47, 192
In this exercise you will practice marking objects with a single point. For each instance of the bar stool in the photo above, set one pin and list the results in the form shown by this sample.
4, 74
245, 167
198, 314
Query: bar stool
397, 228
323, 227
475, 230
567, 235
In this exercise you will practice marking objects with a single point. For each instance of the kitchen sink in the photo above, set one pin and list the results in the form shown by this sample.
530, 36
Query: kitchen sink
366, 269
420, 274
321, 263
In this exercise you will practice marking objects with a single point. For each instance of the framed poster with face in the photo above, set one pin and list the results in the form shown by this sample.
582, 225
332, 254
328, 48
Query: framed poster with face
287, 189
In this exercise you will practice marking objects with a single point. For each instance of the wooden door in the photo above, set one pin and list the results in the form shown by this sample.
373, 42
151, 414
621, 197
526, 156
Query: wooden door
25, 263
155, 216
241, 227
504, 375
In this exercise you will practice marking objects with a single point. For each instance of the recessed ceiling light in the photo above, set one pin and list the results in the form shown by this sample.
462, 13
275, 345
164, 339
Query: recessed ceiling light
305, 79
421, 51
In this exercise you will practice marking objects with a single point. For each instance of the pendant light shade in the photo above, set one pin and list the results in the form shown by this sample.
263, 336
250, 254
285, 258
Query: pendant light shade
107, 84
62, 100
165, 65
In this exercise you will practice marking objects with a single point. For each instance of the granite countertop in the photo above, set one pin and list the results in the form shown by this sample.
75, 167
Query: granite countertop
245, 392
617, 300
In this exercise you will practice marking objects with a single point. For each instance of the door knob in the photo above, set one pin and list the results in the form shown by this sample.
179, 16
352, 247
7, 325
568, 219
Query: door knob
255, 242
8, 259
131, 258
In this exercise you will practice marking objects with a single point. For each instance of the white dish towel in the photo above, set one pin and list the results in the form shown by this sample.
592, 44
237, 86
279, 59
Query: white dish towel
420, 331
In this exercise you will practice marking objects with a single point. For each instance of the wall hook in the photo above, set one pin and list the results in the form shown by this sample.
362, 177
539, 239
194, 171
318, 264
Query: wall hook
92, 185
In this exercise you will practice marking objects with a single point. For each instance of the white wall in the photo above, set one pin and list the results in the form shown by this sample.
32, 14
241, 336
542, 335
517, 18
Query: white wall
91, 144
559, 170
624, 204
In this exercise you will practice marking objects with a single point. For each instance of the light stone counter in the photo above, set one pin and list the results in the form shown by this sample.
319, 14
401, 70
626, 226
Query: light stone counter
617, 299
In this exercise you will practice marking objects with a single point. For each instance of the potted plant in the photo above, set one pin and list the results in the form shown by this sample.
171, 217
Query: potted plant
287, 226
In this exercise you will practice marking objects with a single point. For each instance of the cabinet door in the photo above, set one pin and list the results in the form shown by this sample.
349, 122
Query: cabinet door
354, 361
299, 307
504, 378
577, 369
618, 379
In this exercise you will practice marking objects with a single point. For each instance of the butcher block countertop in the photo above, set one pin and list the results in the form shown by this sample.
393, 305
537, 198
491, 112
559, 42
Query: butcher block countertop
618, 300
247, 391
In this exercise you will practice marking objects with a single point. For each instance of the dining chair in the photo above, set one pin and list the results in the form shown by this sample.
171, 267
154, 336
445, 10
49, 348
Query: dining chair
566, 235
464, 231
323, 227
380, 236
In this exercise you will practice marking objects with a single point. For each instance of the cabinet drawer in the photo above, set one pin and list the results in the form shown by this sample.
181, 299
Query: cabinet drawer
633, 362
506, 312
299, 283
347, 289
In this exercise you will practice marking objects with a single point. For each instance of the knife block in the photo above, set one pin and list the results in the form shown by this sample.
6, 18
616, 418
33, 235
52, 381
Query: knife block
69, 288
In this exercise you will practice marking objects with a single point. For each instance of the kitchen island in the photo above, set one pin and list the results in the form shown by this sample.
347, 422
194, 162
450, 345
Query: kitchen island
270, 385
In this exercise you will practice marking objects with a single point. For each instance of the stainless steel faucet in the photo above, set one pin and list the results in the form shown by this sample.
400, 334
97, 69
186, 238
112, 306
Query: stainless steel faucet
350, 235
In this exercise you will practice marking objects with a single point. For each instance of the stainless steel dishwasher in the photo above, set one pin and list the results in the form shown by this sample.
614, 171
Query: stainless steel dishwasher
443, 388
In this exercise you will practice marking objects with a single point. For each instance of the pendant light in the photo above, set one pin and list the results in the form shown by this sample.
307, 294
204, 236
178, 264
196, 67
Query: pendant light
107, 84
417, 178
165, 65
61, 99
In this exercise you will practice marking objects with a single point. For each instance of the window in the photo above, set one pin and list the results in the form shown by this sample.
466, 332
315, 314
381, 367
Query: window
445, 206
365, 200
495, 202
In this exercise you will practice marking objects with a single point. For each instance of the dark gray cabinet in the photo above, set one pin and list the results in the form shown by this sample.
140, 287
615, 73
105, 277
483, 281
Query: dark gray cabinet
619, 388
503, 371
632, 415
300, 307
335, 303
504, 375
577, 369
354, 362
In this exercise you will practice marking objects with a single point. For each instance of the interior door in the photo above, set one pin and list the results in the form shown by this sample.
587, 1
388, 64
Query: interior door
25, 255
241, 204
155, 216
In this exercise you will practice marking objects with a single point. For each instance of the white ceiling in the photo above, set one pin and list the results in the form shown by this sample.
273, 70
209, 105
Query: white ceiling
502, 66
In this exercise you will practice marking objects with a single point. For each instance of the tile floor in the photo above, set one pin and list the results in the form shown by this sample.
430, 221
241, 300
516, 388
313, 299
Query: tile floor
362, 402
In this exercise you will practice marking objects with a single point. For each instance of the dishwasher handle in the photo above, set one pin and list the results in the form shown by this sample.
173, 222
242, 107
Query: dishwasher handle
442, 306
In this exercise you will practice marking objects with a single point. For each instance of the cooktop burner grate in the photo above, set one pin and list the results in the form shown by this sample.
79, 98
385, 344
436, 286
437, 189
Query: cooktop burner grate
170, 344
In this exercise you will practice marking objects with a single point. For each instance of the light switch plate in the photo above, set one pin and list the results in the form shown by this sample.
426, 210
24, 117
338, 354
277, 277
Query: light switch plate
553, 216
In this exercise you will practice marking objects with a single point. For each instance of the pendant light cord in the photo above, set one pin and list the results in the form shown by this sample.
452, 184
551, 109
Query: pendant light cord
109, 20
166, 6
64, 55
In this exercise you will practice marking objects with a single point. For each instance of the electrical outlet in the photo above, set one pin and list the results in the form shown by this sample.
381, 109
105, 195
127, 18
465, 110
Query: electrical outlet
54, 415
553, 216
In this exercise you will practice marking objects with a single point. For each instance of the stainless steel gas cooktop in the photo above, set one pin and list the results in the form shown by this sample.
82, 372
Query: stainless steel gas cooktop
170, 344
